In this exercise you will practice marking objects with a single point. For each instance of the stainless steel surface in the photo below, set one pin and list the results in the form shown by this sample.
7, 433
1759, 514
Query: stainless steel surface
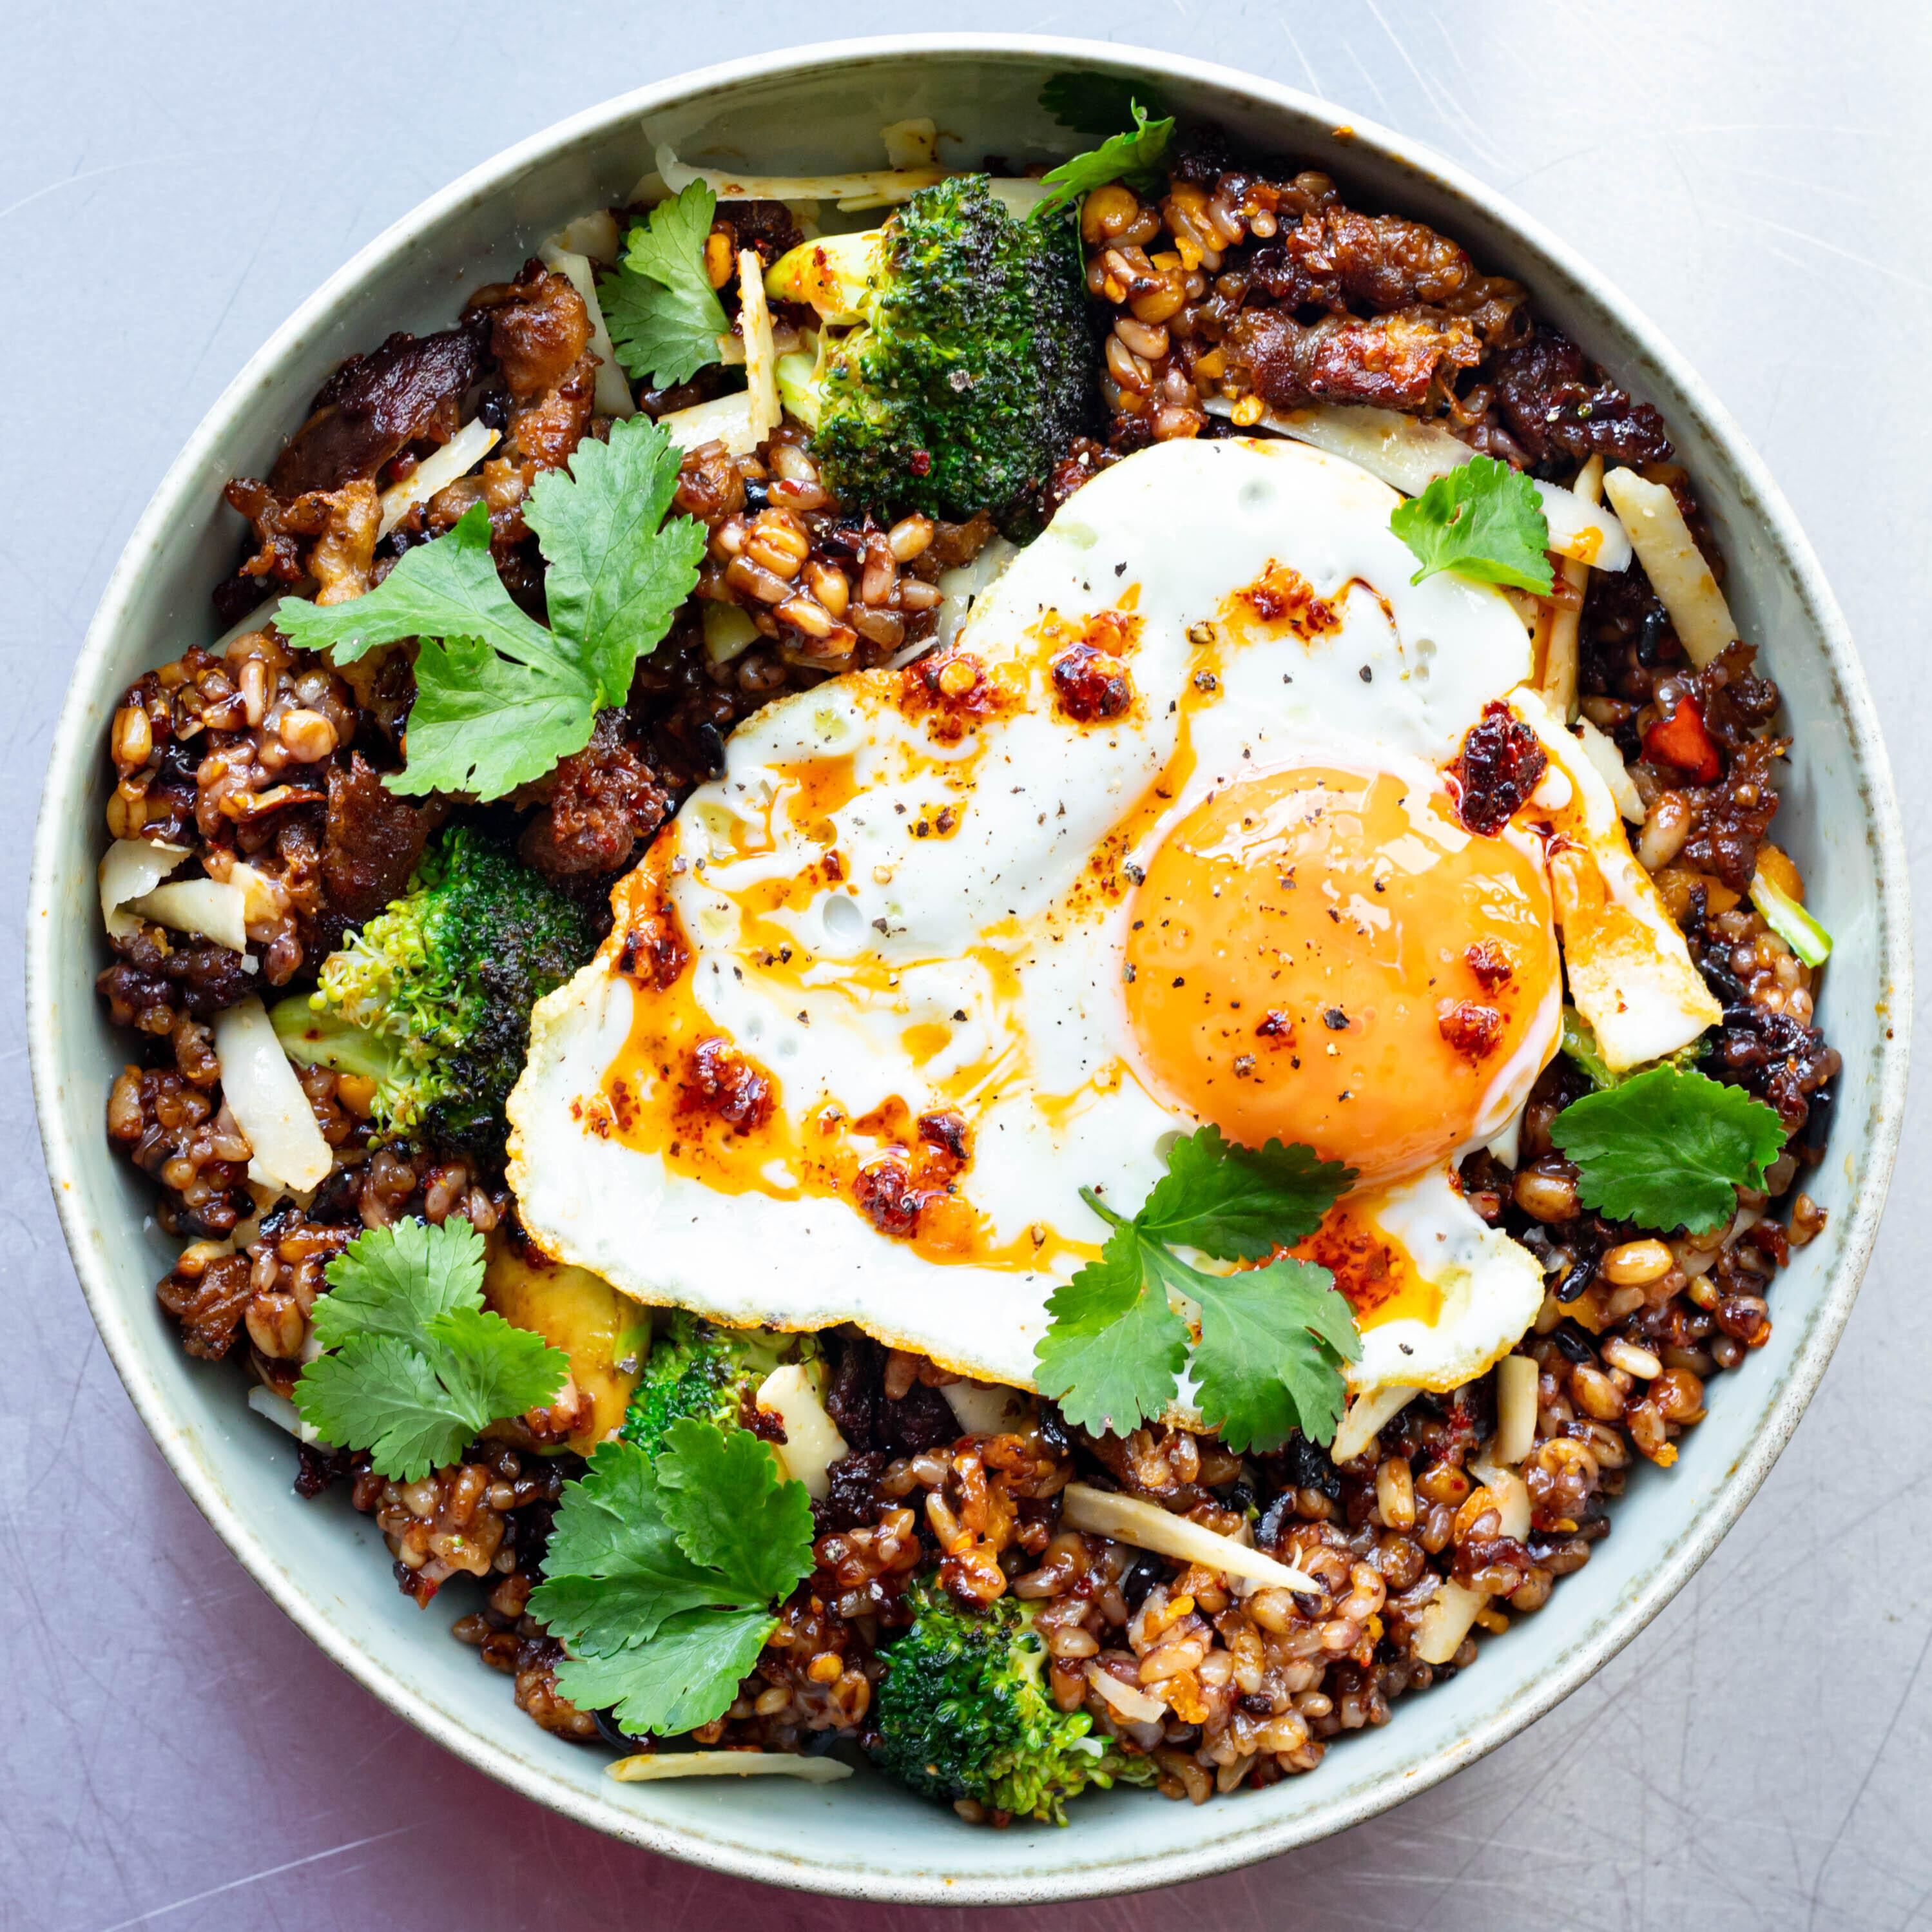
185, 1758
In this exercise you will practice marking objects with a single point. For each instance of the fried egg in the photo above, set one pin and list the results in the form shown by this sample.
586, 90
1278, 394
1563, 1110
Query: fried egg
1164, 837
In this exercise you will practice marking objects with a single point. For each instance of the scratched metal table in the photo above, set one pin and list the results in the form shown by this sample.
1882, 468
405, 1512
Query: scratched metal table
174, 178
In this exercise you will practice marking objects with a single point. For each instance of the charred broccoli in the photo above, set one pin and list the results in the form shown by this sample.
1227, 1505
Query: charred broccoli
431, 999
967, 368
696, 1368
962, 1711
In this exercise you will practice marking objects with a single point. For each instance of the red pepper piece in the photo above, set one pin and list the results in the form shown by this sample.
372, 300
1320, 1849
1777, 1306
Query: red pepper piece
1681, 741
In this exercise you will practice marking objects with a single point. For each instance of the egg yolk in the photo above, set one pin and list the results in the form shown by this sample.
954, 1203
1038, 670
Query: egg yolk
1329, 957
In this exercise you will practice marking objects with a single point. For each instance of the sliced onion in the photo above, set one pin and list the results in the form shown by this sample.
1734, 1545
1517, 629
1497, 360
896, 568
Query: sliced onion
282, 1412
1603, 753
1145, 1525
1507, 1490
1675, 565
213, 907
984, 1408
868, 188
761, 359
595, 234
960, 587
812, 1442
130, 869
1366, 1416
1444, 1622
1517, 1377
1409, 454
612, 397
726, 419
1131, 1702
268, 1101
729, 632
911, 144
648, 1766
437, 471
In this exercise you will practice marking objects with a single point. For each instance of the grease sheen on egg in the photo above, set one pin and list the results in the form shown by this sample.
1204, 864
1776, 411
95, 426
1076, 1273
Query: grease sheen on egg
866, 1024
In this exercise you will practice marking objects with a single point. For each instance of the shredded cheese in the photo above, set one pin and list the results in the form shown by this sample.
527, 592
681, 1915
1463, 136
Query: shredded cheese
1145, 1525
1507, 1491
725, 419
1675, 565
648, 1766
911, 144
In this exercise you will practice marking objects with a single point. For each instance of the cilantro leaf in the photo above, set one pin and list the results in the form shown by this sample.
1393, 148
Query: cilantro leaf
1274, 1341
662, 1572
617, 571
1094, 104
396, 1280
614, 1571
731, 1512
1238, 1203
663, 316
1668, 1148
1484, 520
1134, 158
414, 1365
500, 697
446, 589
1113, 1353
686, 1675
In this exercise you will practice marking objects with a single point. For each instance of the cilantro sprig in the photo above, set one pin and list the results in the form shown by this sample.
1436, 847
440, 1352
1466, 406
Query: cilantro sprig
662, 1573
1095, 104
1274, 1339
663, 316
414, 1365
1134, 156
1483, 520
1668, 1148
500, 697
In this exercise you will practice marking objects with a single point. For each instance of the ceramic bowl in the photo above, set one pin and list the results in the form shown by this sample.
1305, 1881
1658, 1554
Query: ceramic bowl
821, 108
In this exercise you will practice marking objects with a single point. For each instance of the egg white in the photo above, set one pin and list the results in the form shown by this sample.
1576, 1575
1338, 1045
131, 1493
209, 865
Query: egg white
936, 932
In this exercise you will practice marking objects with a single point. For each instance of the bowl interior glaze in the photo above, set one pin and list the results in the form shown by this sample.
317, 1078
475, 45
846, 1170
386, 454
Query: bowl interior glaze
820, 109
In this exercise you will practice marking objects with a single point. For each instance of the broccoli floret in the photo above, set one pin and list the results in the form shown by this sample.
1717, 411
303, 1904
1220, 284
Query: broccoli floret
963, 1711
696, 1368
971, 367
432, 998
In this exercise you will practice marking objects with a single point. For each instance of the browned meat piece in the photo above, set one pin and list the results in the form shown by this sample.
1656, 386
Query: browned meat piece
1393, 361
1729, 820
345, 554
1736, 702
154, 981
1558, 404
765, 227
548, 430
1338, 259
598, 804
537, 328
410, 389
371, 841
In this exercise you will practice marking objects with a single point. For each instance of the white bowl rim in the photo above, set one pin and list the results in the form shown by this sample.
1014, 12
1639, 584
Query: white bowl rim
74, 742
